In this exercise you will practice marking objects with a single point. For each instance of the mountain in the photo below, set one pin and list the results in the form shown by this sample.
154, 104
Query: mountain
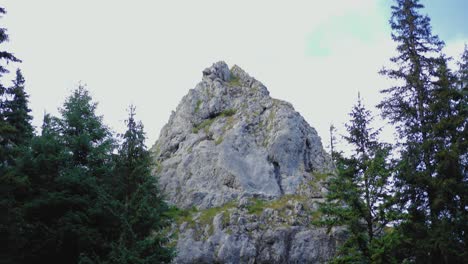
247, 170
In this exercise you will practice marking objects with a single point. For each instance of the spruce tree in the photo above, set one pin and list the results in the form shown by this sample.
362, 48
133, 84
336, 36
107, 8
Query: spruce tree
448, 120
17, 113
143, 210
13, 138
44, 206
84, 230
419, 106
359, 197
68, 168
5, 129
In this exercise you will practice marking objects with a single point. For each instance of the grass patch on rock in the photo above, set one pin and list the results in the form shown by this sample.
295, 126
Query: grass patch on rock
258, 205
197, 107
207, 215
234, 81
227, 112
219, 140
206, 124
181, 215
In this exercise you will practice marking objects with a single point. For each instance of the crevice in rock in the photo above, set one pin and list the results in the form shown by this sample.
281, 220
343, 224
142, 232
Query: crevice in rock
276, 171
288, 241
308, 167
170, 151
264, 108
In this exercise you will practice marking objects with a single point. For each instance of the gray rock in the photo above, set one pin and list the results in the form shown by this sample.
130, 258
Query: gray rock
254, 160
228, 138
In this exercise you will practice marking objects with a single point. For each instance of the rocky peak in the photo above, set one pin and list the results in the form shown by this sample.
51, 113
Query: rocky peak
247, 169
219, 71
228, 139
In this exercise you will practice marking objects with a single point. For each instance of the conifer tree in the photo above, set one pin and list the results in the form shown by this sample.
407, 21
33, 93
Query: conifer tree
143, 210
5, 129
89, 145
17, 113
359, 197
5, 56
419, 107
42, 208
68, 169
332, 131
13, 186
448, 120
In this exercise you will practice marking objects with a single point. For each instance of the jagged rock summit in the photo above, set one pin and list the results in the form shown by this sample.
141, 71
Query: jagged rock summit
229, 139
247, 169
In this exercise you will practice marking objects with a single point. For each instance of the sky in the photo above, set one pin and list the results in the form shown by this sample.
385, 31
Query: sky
314, 54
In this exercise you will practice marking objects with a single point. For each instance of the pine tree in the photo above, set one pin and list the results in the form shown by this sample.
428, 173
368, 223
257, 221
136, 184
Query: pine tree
17, 113
5, 56
43, 206
88, 143
359, 197
418, 106
13, 185
332, 131
84, 134
448, 120
5, 129
69, 165
463, 70
143, 209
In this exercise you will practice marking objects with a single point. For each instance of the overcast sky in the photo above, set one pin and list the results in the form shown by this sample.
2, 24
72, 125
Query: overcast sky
315, 54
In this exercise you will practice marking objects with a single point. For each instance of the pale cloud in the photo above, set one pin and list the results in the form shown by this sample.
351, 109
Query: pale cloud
454, 48
150, 53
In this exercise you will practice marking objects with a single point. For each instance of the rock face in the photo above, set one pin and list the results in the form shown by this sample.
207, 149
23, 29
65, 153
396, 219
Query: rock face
247, 169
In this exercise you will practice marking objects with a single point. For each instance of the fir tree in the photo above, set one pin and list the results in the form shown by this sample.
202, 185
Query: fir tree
42, 165
463, 71
5, 56
141, 204
85, 229
17, 113
13, 185
332, 131
419, 106
448, 120
68, 168
359, 197
5, 129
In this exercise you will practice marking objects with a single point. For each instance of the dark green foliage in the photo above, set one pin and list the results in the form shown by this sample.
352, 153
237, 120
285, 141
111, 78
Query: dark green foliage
63, 199
429, 112
5, 56
5, 128
80, 203
15, 132
17, 112
333, 139
463, 72
66, 167
143, 212
84, 134
360, 198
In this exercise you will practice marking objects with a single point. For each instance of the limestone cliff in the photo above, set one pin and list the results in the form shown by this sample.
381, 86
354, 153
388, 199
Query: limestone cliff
247, 169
